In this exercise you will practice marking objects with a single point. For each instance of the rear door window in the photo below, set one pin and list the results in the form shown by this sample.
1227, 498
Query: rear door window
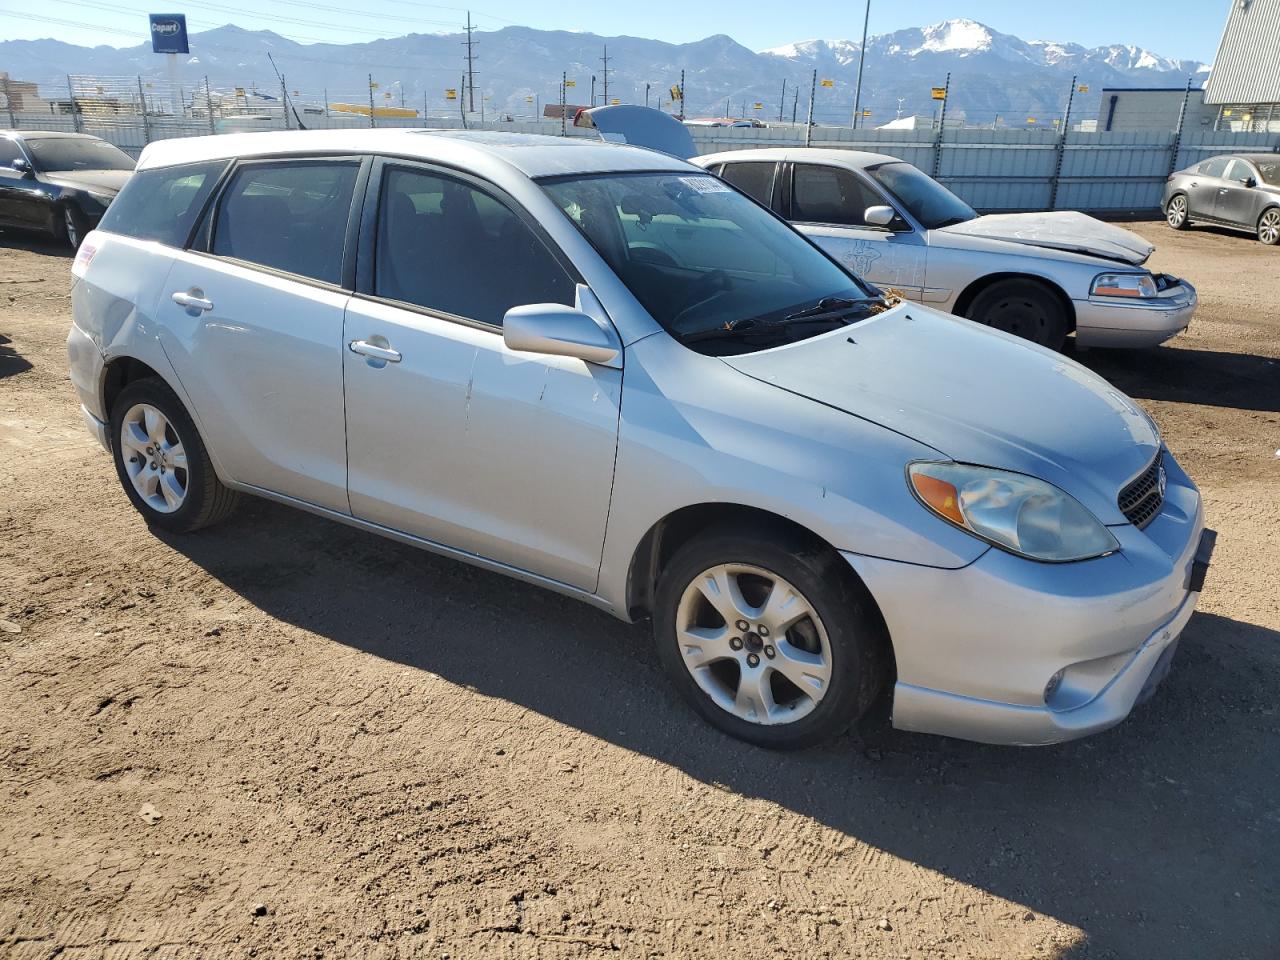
163, 203
1215, 167
290, 216
1238, 170
753, 178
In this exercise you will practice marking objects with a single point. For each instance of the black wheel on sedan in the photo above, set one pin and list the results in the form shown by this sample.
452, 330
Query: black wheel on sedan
772, 640
161, 461
1176, 213
1024, 308
1269, 226
72, 225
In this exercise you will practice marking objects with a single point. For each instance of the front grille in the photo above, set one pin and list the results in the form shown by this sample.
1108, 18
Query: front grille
1141, 500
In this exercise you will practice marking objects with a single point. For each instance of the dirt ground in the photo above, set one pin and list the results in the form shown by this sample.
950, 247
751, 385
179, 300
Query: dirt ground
282, 737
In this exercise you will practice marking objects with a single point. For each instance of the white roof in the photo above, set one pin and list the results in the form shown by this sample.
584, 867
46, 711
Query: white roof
854, 159
533, 155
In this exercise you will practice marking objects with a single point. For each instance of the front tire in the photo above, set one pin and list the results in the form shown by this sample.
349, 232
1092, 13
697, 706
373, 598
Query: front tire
1024, 308
162, 462
771, 640
72, 225
1176, 213
1269, 226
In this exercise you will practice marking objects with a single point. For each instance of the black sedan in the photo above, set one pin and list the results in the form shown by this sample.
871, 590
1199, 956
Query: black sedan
1240, 191
58, 183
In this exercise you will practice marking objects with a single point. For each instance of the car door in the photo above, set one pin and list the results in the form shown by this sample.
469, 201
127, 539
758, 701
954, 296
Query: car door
251, 318
452, 437
828, 203
1202, 191
23, 199
1236, 199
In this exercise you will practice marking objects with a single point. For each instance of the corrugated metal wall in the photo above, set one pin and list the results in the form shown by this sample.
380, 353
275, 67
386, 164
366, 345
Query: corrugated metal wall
1247, 68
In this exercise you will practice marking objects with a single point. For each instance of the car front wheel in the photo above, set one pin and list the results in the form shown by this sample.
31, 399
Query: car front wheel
72, 226
769, 639
161, 461
1269, 226
1024, 308
1176, 212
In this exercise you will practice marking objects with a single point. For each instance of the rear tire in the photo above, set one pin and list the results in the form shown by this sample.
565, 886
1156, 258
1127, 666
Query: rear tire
1269, 227
1024, 308
1176, 212
825, 634
162, 462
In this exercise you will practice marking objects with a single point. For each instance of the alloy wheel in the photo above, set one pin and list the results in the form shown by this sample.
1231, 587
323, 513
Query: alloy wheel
1269, 227
69, 223
154, 458
1176, 213
753, 644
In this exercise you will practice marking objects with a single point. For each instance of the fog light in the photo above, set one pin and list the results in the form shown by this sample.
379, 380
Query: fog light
1052, 686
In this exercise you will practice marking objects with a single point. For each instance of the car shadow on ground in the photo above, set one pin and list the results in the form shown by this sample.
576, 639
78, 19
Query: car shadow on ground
33, 242
11, 362
1214, 378
1158, 838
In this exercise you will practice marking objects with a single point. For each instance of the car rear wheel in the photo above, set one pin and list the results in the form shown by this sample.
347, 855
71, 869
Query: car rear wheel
161, 461
770, 640
72, 227
1023, 308
1176, 212
1269, 226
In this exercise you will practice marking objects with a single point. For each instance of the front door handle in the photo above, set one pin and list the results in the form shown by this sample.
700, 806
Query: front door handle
372, 350
192, 299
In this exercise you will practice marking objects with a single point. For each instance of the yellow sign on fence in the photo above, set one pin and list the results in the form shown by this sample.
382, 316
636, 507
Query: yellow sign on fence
450, 93
939, 93
571, 83
826, 83
676, 93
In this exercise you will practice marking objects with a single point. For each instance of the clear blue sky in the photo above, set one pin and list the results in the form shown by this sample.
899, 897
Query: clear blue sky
1174, 28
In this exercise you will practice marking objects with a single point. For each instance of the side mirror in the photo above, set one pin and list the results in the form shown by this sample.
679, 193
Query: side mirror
22, 165
1249, 182
560, 331
879, 216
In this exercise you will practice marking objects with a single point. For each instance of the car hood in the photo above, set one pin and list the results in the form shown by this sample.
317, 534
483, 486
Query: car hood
1060, 230
975, 394
99, 181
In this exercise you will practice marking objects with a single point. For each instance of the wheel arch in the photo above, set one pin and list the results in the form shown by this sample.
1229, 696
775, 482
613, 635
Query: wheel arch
970, 293
118, 373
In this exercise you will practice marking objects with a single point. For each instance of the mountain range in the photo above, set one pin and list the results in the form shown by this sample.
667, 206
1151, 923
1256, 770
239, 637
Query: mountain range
992, 74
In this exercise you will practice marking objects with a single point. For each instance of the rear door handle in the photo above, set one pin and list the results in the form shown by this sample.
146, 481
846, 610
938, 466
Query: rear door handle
367, 349
192, 300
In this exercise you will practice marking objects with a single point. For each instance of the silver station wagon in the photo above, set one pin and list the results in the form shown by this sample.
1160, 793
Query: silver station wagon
605, 371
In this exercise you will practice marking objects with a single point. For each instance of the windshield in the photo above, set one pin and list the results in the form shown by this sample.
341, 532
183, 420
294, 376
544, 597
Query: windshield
1269, 170
932, 204
700, 256
58, 154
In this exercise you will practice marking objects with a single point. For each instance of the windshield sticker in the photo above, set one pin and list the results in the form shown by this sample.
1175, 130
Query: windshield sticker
705, 184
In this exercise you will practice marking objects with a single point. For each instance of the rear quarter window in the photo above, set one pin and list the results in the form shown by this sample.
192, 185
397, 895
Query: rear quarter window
162, 204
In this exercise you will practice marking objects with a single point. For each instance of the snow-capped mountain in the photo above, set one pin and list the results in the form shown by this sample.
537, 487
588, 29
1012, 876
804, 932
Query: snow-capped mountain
992, 73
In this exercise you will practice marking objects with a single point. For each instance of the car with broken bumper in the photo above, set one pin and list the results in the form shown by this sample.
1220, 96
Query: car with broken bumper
603, 371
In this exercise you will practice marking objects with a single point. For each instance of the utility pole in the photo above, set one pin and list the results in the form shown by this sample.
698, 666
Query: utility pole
564, 126
462, 101
646, 94
942, 123
1061, 148
862, 56
782, 102
900, 102
795, 104
682, 96
604, 74
593, 89
813, 93
470, 44
370, 103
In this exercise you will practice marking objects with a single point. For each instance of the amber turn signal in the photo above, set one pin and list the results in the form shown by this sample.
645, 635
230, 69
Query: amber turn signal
940, 496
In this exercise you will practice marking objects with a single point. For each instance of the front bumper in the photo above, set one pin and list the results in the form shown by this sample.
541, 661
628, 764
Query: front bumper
1114, 322
975, 648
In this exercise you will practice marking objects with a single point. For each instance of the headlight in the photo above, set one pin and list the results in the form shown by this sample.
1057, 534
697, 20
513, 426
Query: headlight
1124, 285
1017, 513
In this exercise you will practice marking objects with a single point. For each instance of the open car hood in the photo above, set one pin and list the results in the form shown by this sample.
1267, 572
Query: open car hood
1059, 230
640, 127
